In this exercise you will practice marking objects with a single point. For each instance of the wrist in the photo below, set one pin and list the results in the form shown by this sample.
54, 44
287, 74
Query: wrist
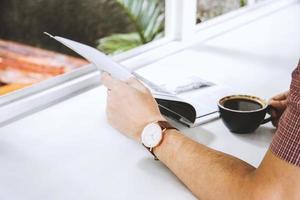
153, 135
138, 134
171, 139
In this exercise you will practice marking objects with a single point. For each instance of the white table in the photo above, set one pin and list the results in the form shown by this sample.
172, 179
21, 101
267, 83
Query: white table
69, 152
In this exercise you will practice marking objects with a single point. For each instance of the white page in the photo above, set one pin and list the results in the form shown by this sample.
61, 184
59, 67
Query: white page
104, 62
99, 59
205, 100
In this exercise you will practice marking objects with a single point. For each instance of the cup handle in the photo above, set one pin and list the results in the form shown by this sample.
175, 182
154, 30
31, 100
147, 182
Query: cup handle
266, 120
269, 118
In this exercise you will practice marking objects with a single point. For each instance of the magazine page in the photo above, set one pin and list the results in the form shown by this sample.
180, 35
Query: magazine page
205, 100
99, 59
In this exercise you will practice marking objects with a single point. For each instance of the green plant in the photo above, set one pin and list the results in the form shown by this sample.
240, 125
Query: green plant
243, 3
147, 17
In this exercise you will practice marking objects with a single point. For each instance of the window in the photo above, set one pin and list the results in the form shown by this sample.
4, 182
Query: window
113, 26
207, 9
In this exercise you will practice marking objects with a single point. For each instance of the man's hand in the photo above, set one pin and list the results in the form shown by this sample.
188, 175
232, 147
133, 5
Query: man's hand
130, 106
278, 105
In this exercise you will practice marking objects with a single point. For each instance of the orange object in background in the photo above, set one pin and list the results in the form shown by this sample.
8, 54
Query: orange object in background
11, 87
30, 66
22, 65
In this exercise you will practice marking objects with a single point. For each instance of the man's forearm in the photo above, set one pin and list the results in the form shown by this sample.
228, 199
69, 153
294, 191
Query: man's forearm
209, 174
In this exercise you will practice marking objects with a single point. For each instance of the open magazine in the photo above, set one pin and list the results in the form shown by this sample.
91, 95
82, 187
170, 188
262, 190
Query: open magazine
189, 105
190, 100
195, 107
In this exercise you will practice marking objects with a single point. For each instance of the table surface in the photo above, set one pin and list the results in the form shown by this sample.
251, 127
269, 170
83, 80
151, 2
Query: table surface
68, 151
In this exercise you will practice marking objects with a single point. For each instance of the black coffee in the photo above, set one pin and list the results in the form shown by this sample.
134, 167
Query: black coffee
242, 104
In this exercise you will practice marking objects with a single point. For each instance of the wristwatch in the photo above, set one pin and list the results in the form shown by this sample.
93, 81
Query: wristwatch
153, 134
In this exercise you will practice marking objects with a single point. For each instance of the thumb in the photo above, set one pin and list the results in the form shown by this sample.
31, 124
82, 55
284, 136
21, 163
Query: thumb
278, 105
133, 82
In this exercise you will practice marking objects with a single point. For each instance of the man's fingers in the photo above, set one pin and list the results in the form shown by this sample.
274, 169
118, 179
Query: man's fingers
274, 104
115, 84
110, 82
278, 105
273, 113
281, 96
275, 116
133, 82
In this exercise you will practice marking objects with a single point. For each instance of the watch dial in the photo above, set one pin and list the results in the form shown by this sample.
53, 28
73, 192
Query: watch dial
151, 135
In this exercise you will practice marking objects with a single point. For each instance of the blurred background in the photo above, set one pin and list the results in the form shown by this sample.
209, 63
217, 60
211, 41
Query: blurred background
86, 21
112, 26
82, 20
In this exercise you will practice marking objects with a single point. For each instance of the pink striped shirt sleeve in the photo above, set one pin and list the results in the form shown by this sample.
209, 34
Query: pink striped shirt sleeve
286, 142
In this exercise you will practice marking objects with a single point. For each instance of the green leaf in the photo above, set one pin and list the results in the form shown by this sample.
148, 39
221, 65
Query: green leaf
118, 43
146, 15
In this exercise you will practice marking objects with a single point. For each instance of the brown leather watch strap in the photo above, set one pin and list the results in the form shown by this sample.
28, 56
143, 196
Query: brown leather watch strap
164, 125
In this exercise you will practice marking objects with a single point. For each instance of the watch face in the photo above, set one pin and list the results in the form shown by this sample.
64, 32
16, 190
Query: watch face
151, 135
